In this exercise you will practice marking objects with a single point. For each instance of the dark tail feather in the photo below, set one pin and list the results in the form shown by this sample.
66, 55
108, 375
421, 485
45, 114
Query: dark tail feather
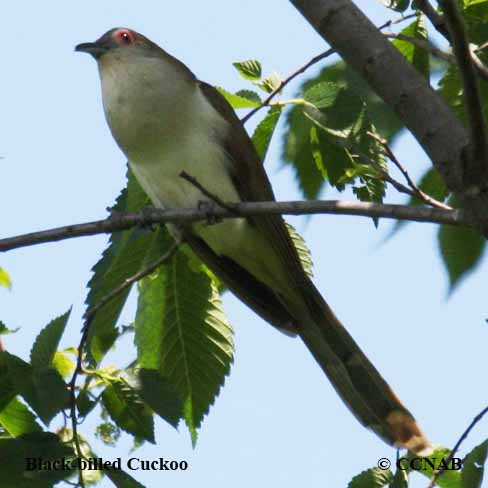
357, 381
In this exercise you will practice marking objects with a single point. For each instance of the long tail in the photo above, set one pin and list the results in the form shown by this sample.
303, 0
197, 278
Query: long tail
358, 382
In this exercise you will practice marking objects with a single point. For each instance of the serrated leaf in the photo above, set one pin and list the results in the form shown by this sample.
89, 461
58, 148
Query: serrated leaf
271, 83
47, 342
5, 279
400, 480
249, 69
264, 131
371, 478
122, 480
249, 95
42, 388
413, 53
35, 445
127, 253
236, 100
160, 395
17, 419
127, 410
302, 249
474, 466
461, 250
181, 331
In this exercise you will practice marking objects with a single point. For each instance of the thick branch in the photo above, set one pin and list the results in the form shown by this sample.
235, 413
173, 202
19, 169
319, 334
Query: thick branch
397, 82
150, 216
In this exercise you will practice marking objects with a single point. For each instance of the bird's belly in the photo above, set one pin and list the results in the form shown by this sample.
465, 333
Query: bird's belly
236, 239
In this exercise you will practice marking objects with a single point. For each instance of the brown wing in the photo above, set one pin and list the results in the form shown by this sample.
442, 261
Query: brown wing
252, 184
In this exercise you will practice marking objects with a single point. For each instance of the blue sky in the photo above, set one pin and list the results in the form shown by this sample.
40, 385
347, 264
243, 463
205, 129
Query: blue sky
277, 420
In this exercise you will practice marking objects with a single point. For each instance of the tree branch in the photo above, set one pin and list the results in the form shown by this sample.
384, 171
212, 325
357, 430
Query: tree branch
343, 25
457, 446
477, 163
150, 216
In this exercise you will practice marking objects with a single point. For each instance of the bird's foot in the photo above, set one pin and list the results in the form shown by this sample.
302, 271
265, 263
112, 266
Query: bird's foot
209, 208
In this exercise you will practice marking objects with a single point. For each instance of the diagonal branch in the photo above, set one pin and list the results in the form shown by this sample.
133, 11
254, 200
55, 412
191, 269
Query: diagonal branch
478, 162
457, 446
149, 216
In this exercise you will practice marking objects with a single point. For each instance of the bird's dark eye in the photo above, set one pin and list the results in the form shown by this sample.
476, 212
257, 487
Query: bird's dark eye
125, 37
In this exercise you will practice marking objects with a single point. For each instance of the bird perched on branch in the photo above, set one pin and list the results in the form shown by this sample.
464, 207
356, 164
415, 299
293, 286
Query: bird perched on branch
169, 123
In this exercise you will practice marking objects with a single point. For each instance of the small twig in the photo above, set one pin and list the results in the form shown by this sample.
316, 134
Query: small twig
415, 190
481, 69
212, 196
89, 316
478, 169
425, 45
307, 65
285, 82
457, 446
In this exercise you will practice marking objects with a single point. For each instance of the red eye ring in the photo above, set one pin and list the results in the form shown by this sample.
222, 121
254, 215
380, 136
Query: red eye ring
125, 37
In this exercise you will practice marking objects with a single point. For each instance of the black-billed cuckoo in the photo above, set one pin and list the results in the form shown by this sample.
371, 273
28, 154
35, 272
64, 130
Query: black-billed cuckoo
166, 121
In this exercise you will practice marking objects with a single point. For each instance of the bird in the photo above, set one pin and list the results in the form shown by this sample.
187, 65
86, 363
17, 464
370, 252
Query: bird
168, 123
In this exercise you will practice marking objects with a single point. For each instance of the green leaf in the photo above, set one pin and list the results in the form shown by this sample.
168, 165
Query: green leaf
264, 131
237, 101
42, 388
449, 479
271, 83
417, 56
461, 251
335, 99
17, 419
181, 331
63, 364
299, 153
302, 249
160, 395
128, 252
14, 454
371, 478
397, 5
249, 95
122, 480
5, 330
474, 466
5, 279
85, 403
47, 342
249, 70
127, 410
400, 480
